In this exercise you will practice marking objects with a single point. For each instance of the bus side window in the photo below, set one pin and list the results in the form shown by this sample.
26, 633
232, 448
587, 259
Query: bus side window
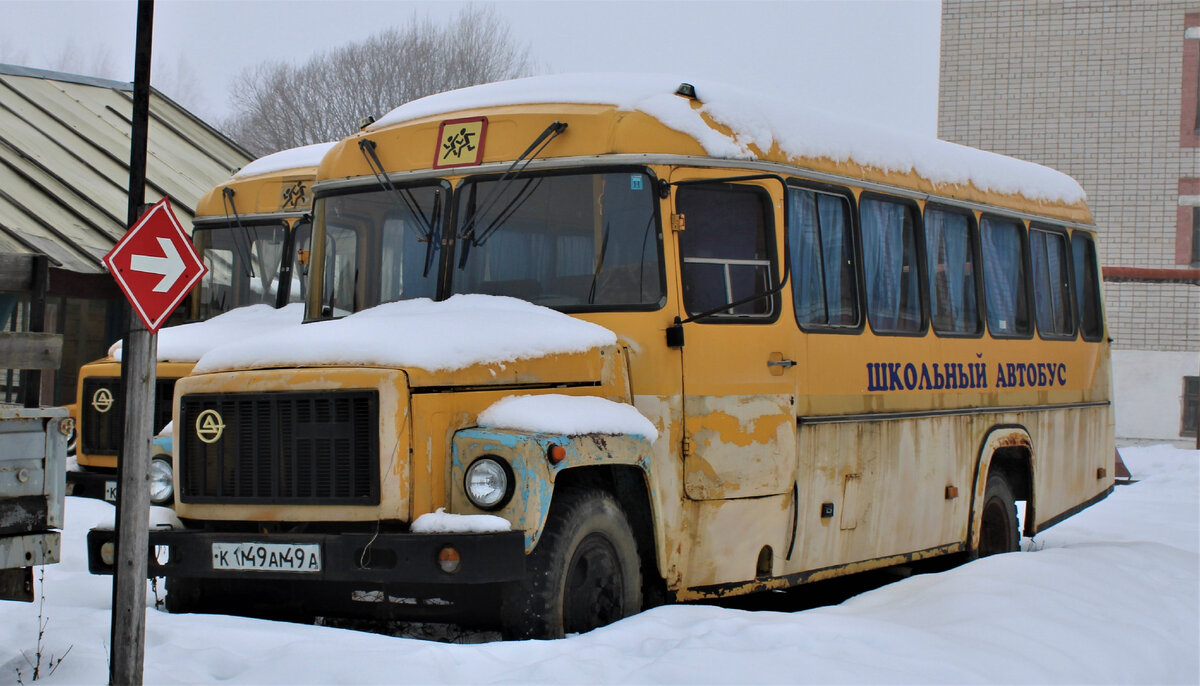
727, 250
891, 267
951, 258
824, 274
1051, 283
1087, 286
1005, 277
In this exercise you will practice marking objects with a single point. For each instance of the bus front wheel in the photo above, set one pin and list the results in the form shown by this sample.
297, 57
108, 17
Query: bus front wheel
998, 531
583, 574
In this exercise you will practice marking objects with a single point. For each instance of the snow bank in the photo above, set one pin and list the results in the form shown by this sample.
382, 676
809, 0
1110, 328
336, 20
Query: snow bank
760, 120
452, 334
158, 518
1110, 596
189, 342
442, 522
566, 414
305, 156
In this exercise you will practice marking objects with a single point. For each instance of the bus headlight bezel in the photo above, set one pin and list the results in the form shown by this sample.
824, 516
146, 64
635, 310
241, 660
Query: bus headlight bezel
162, 482
488, 483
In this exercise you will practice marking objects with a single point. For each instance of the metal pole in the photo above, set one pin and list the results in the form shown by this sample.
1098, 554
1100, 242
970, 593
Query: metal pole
137, 369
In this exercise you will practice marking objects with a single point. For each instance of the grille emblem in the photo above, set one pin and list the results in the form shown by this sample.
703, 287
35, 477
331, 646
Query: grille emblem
102, 400
209, 426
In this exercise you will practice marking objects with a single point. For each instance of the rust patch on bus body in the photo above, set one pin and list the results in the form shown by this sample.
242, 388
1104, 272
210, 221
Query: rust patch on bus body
740, 447
1014, 440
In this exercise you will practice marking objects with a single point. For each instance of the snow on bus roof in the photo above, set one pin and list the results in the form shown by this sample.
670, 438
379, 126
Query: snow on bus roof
754, 118
294, 158
459, 332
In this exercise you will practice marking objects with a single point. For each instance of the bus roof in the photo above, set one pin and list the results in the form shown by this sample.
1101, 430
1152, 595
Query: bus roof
267, 185
284, 160
730, 123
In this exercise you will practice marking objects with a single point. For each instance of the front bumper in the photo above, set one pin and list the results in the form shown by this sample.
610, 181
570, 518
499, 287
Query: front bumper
358, 557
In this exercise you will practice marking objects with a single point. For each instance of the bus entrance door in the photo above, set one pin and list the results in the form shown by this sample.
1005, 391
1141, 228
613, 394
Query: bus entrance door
738, 380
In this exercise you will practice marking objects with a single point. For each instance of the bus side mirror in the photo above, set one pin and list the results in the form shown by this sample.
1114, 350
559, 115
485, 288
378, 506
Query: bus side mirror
675, 334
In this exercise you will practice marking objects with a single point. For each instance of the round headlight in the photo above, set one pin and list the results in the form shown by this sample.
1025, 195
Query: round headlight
487, 483
162, 490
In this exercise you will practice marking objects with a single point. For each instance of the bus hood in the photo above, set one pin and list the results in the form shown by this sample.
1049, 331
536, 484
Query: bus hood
189, 342
464, 334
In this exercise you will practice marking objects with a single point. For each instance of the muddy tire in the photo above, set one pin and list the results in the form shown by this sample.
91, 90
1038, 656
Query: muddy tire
998, 532
583, 574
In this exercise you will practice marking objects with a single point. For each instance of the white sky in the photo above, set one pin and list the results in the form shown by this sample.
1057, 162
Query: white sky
875, 60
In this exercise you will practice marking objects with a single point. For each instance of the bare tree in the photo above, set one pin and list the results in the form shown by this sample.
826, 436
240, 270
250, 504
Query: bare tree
278, 105
177, 80
74, 59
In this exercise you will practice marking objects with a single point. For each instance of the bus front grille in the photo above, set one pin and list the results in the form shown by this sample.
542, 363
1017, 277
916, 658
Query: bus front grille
280, 448
102, 414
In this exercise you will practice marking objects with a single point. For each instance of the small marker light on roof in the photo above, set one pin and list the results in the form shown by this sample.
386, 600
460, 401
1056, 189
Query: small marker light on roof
686, 90
365, 122
556, 453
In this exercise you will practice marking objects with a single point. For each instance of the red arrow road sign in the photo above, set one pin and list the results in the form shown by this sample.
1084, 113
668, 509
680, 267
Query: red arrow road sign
155, 264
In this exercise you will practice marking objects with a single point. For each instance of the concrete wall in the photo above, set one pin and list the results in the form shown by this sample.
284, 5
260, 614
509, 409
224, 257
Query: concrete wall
1148, 393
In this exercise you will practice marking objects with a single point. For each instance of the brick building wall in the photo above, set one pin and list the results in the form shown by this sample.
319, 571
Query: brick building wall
1106, 92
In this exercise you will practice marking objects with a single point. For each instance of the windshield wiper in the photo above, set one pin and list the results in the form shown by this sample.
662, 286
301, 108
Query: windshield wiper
527, 157
426, 229
241, 241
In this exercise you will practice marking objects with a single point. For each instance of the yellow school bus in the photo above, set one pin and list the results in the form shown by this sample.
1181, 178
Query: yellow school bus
856, 349
248, 230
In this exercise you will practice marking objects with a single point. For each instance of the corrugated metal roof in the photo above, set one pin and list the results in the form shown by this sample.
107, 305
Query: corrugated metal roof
64, 162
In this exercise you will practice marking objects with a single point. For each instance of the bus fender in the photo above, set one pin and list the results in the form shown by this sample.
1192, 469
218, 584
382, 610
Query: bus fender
533, 468
999, 439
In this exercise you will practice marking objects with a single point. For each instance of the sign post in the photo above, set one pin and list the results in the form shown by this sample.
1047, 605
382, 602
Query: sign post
156, 266
137, 267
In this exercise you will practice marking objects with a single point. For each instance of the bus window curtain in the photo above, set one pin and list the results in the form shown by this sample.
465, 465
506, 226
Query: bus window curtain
839, 266
1002, 275
883, 260
806, 264
952, 286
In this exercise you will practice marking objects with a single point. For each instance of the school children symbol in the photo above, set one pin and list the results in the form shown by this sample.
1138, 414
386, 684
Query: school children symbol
460, 143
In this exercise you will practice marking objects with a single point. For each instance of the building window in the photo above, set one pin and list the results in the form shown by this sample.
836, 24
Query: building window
1189, 125
1191, 405
1195, 259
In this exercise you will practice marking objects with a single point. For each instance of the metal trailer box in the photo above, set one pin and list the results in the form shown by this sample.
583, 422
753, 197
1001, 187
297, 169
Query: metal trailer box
33, 457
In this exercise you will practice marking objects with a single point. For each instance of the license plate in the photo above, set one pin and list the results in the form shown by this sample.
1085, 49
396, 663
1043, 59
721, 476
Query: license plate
110, 491
267, 557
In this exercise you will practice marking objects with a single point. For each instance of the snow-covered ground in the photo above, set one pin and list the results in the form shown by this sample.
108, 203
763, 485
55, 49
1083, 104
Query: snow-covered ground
1109, 596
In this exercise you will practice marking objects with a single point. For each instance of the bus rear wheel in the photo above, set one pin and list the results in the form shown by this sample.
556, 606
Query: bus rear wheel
998, 531
583, 574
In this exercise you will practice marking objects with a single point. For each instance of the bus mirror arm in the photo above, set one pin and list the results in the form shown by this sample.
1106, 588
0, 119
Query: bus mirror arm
675, 331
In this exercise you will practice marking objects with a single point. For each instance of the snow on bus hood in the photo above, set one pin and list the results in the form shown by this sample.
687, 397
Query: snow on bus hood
567, 414
462, 331
761, 119
189, 342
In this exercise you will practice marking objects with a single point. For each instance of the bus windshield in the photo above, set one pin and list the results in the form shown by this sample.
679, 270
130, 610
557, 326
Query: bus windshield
243, 266
572, 241
396, 230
